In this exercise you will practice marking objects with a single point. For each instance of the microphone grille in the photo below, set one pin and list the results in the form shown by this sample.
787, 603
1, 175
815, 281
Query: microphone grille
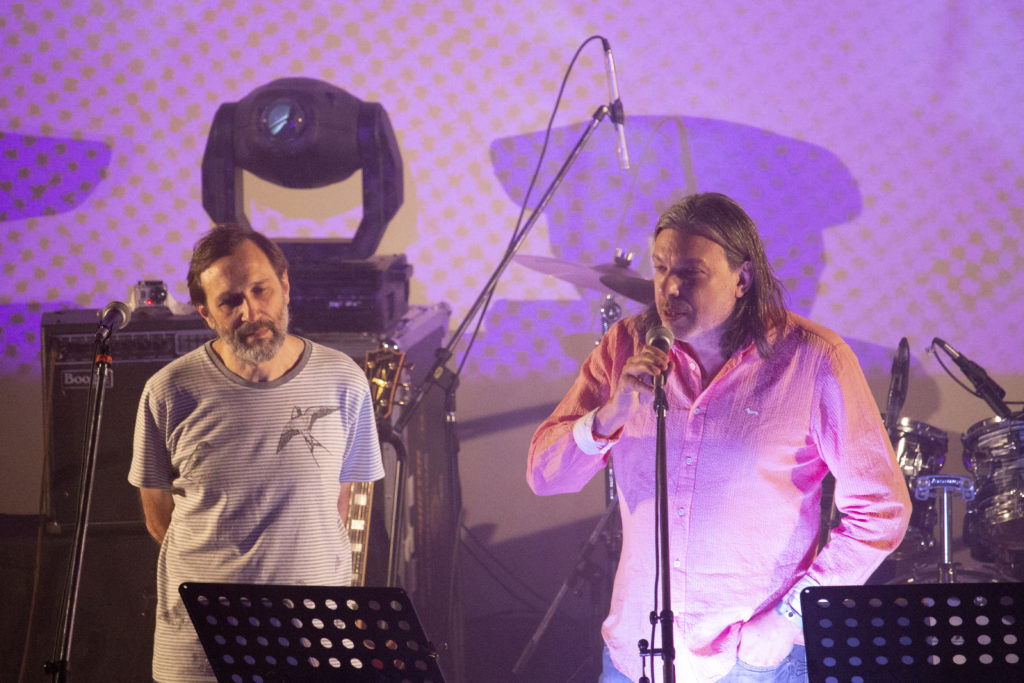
660, 337
126, 312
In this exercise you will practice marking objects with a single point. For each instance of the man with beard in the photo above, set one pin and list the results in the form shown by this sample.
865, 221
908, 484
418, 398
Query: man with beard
762, 404
245, 448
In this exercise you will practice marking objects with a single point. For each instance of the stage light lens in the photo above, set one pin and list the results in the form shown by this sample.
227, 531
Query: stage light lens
283, 119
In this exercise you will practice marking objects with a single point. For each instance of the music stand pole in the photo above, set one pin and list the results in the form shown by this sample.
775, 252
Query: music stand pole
58, 666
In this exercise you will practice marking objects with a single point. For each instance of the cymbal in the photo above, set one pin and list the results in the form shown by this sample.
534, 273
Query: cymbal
635, 288
618, 278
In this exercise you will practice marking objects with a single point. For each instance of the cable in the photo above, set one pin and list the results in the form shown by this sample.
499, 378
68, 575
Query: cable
969, 390
516, 234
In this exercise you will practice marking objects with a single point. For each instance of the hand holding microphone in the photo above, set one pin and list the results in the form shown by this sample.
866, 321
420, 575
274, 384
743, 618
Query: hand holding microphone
650, 361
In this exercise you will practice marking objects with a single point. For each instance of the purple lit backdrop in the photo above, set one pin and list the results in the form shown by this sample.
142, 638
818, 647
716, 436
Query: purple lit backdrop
876, 143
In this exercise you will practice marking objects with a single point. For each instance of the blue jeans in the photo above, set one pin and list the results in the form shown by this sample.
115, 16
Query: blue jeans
792, 669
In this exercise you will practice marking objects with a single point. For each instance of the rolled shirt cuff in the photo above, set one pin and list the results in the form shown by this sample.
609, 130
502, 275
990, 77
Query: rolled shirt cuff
583, 434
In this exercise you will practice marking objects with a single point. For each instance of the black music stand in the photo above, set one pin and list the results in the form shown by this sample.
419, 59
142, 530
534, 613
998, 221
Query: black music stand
914, 632
264, 634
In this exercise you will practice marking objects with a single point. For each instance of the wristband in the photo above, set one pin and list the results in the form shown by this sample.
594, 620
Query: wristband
786, 610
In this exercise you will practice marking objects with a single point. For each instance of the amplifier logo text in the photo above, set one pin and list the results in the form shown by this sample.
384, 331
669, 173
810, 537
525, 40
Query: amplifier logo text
80, 379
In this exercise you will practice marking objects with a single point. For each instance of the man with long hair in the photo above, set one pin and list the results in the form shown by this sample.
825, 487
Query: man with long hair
762, 405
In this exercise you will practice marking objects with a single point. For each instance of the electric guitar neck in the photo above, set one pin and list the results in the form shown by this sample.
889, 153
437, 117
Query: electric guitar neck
382, 368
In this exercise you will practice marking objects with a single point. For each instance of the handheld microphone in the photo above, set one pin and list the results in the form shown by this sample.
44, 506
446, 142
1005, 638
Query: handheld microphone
986, 387
114, 317
661, 338
618, 115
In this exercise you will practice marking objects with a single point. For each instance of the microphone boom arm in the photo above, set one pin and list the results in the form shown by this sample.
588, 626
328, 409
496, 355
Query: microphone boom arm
438, 371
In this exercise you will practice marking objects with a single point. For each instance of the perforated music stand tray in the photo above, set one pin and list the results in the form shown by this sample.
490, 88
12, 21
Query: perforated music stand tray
914, 632
263, 634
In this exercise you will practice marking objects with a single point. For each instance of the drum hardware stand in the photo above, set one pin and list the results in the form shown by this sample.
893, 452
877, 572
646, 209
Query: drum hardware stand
925, 488
583, 570
611, 311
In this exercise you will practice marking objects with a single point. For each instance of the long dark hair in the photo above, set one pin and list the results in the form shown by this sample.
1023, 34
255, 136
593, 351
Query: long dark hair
762, 308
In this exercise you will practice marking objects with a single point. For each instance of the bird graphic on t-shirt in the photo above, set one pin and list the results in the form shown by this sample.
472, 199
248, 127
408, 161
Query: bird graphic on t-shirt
301, 423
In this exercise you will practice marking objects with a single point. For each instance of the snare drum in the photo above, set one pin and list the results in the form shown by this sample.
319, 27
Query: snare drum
920, 451
994, 454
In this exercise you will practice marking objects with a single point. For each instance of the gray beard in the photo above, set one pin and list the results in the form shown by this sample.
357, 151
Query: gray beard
259, 351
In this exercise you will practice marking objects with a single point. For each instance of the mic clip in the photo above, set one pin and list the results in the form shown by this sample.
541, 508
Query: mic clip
616, 113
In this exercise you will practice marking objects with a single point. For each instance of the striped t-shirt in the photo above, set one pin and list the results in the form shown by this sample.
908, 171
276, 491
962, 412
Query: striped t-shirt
254, 468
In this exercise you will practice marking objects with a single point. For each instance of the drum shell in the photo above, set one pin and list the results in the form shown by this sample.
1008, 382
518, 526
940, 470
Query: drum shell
920, 448
993, 445
993, 451
920, 451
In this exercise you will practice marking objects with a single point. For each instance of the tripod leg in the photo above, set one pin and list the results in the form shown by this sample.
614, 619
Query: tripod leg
595, 536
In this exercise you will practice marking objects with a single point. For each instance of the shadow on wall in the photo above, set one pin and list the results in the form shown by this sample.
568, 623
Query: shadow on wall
792, 189
42, 176
508, 594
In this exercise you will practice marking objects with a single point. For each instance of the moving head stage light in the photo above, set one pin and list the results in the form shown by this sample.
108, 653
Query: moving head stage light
304, 133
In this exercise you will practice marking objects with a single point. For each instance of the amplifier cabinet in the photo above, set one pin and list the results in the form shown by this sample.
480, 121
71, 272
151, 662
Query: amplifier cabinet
147, 344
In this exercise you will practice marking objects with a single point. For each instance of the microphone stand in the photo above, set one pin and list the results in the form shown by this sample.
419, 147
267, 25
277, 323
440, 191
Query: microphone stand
448, 380
665, 618
439, 373
59, 665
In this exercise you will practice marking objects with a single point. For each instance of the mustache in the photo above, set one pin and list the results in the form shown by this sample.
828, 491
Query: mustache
253, 327
675, 307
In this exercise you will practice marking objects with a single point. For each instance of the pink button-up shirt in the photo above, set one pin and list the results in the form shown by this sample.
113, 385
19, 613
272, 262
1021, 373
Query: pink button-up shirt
746, 457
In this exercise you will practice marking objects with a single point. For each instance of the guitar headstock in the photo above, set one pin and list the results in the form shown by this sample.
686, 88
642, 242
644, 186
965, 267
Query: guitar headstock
383, 368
